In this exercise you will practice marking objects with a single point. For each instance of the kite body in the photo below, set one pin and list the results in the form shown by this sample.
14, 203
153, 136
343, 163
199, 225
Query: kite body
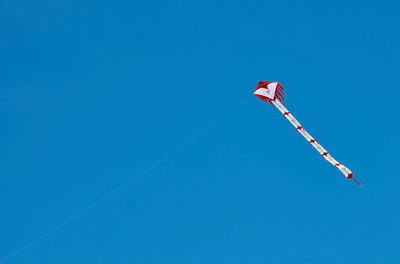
270, 92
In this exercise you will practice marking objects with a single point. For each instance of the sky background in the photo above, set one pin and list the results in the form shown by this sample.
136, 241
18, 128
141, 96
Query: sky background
93, 92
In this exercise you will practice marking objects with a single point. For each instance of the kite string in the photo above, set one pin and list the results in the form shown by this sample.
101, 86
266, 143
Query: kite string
122, 185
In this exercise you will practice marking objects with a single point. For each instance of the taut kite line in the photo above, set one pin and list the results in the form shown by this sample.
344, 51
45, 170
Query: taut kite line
120, 187
270, 92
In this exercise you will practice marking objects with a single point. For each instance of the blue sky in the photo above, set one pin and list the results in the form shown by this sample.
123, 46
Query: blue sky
93, 92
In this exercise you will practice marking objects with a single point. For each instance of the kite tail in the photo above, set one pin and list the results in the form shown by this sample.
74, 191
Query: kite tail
325, 154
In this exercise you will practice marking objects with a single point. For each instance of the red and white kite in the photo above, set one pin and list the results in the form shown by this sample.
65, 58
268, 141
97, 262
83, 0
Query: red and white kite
270, 92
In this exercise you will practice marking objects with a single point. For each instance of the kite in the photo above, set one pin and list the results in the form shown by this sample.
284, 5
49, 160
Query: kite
273, 93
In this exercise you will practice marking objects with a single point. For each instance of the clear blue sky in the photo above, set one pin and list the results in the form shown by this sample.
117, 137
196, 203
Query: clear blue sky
92, 92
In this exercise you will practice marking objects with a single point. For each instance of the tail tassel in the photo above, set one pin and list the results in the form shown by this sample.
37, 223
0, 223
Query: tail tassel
351, 177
